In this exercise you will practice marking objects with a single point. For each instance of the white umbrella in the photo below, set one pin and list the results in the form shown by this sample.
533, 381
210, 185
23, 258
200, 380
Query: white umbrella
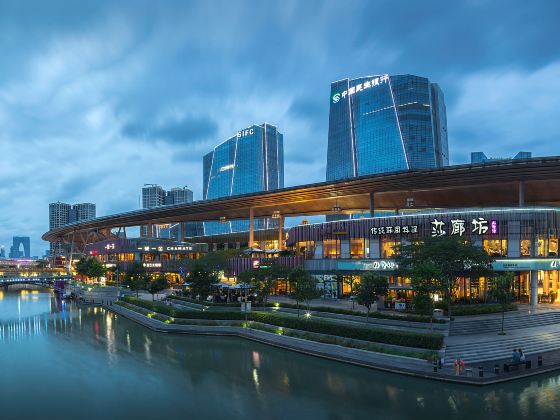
273, 251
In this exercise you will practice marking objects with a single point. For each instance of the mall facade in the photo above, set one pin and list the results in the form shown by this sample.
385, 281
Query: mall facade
523, 241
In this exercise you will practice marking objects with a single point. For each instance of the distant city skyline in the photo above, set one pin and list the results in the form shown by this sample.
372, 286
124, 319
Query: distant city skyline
122, 95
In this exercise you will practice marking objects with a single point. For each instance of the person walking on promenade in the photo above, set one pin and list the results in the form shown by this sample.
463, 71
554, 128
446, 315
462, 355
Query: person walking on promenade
515, 356
521, 355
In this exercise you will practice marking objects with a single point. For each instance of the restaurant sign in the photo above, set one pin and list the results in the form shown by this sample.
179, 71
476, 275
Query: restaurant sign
368, 265
526, 264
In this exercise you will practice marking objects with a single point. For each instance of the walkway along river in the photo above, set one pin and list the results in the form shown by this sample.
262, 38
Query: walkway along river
61, 361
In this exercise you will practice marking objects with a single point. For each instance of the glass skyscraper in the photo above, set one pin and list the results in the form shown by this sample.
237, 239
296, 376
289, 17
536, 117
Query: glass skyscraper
250, 161
385, 123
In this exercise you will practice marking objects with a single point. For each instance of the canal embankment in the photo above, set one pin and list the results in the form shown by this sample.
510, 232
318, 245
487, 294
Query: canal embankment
268, 334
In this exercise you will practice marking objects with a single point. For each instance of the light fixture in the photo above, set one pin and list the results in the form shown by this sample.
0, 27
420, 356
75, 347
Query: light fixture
336, 208
223, 219
410, 202
276, 214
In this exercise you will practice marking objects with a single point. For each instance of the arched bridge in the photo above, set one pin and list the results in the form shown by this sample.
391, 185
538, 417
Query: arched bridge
38, 280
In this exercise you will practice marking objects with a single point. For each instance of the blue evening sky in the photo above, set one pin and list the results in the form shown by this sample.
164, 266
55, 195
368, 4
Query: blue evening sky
99, 97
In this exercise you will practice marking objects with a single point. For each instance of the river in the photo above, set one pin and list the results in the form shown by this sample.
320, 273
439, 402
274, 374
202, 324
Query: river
61, 361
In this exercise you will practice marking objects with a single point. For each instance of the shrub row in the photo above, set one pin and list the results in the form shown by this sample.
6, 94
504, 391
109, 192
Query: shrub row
198, 302
490, 308
328, 309
401, 338
378, 315
179, 313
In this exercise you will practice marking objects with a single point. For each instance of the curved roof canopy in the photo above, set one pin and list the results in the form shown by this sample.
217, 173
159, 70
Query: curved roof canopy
494, 184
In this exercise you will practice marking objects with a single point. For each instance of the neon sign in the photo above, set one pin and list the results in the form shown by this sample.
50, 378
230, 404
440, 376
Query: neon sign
376, 81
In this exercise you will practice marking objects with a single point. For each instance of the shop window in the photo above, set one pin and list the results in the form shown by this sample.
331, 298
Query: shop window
495, 247
553, 247
542, 247
356, 248
388, 248
331, 248
526, 248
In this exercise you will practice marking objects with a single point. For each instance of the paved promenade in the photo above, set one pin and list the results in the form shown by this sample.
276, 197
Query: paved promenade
379, 361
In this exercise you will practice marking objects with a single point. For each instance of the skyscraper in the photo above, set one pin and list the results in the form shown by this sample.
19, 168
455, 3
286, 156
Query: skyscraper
385, 123
61, 214
18, 242
251, 160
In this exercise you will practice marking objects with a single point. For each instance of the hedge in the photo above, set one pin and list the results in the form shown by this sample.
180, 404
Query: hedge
328, 309
201, 302
490, 308
400, 338
378, 315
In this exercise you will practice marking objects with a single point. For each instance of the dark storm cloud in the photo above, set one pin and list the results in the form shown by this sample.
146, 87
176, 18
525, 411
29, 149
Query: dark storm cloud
99, 97
186, 130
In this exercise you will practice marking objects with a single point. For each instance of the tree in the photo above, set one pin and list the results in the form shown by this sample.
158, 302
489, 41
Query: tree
264, 280
135, 276
157, 285
304, 287
90, 267
201, 280
453, 256
426, 281
350, 281
96, 269
501, 290
369, 289
215, 261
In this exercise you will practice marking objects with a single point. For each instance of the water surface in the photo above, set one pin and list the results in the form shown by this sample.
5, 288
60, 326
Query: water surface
61, 361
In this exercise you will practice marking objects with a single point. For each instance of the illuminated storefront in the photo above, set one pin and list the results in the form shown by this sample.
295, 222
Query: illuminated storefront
156, 255
523, 241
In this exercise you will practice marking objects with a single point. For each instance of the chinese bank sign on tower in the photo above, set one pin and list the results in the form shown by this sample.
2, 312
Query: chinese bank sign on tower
252, 160
385, 123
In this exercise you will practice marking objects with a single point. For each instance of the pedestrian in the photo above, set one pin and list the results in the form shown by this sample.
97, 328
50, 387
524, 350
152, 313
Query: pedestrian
514, 356
521, 355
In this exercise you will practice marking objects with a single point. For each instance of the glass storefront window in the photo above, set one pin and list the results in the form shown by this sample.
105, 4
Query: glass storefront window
525, 248
542, 248
495, 247
388, 248
356, 248
553, 247
331, 248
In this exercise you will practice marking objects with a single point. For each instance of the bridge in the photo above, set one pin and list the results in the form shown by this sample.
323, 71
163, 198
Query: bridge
37, 280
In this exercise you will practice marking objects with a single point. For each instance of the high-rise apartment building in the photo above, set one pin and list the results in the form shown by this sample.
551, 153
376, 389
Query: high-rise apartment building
61, 214
154, 195
82, 211
385, 123
251, 160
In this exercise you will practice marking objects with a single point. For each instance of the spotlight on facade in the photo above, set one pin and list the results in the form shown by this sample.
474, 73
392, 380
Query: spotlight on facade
223, 219
336, 208
410, 202
276, 214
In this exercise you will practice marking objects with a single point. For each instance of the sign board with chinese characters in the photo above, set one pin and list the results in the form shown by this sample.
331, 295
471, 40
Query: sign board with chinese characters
376, 81
395, 229
458, 227
367, 265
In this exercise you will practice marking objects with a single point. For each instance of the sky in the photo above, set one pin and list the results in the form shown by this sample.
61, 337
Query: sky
98, 98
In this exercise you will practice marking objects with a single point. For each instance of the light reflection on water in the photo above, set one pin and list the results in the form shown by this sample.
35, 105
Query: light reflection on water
99, 363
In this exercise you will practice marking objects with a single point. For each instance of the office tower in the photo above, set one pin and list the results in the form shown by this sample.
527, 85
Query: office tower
384, 124
251, 160
17, 243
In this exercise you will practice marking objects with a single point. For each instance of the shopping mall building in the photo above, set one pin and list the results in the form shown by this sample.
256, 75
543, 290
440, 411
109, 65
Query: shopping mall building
523, 241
